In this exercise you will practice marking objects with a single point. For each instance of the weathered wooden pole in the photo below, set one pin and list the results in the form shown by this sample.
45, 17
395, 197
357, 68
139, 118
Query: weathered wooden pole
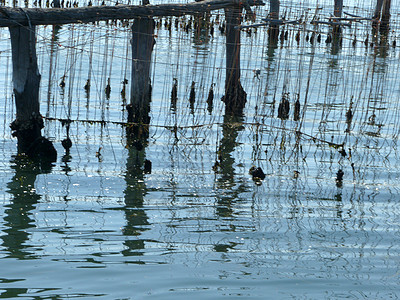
26, 80
57, 16
274, 6
378, 9
338, 9
274, 9
384, 26
142, 48
337, 12
235, 96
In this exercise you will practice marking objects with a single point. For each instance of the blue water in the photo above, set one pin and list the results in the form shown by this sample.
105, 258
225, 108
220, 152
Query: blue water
95, 225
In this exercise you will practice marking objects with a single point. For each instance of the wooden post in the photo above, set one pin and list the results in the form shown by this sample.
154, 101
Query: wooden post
235, 96
26, 80
274, 9
378, 9
142, 47
384, 27
337, 12
274, 14
338, 8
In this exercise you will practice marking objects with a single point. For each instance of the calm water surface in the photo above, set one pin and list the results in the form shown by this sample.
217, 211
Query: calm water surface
95, 225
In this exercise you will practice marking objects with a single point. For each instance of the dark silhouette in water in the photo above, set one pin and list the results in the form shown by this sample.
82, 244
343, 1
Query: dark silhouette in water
349, 115
297, 37
328, 39
257, 173
87, 86
66, 143
210, 99
284, 108
123, 90
62, 82
296, 115
339, 178
174, 94
192, 97
107, 90
147, 166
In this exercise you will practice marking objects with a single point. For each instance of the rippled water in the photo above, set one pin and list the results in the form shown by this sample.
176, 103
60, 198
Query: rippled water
96, 225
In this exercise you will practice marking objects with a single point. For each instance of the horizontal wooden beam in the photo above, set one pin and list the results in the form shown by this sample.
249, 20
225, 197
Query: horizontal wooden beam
53, 16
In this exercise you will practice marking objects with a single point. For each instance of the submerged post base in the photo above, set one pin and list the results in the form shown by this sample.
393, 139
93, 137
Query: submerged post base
235, 100
30, 140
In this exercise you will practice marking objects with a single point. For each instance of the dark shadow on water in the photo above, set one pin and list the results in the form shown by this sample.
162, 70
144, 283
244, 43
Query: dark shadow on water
18, 214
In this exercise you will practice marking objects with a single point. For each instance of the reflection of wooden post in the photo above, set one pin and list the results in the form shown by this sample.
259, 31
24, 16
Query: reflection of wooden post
26, 80
142, 47
235, 96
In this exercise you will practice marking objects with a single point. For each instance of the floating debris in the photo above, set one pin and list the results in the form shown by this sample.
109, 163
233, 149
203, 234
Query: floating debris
257, 173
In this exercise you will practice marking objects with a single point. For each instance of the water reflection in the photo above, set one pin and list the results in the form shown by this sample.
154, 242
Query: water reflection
271, 82
136, 167
18, 214
336, 42
201, 34
231, 186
